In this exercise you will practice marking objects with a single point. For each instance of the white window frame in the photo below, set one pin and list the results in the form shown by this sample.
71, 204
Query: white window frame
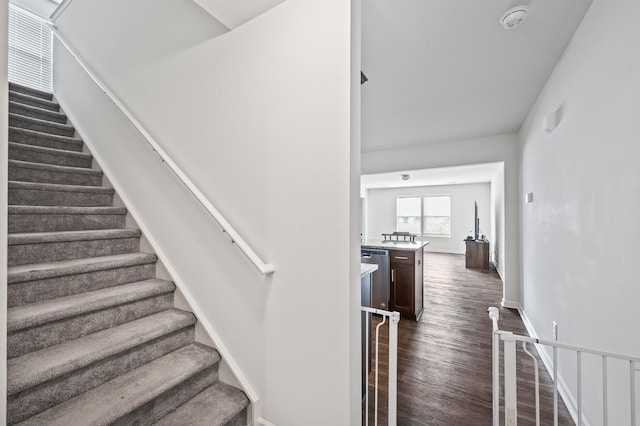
422, 217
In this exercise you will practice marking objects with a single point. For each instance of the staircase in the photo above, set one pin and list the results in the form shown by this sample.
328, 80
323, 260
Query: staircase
93, 337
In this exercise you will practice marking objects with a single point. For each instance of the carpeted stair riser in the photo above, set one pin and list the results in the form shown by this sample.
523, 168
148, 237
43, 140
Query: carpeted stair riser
215, 406
164, 404
44, 336
141, 396
43, 126
30, 91
71, 376
38, 113
49, 173
23, 290
22, 220
41, 155
33, 101
30, 137
52, 251
238, 420
85, 197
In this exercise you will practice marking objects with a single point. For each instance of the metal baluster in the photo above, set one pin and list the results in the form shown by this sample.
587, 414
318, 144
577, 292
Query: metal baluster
579, 388
393, 369
366, 367
632, 372
375, 418
537, 382
496, 379
605, 398
555, 386
494, 314
510, 388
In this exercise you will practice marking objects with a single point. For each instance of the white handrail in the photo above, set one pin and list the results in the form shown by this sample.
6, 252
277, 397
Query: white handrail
264, 268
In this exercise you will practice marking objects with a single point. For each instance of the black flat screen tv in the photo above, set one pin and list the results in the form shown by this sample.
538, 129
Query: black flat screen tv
476, 222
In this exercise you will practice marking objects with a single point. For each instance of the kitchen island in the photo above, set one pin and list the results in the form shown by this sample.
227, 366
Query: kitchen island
402, 286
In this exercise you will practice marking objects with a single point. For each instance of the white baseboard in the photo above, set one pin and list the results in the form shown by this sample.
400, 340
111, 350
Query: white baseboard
443, 251
564, 390
510, 304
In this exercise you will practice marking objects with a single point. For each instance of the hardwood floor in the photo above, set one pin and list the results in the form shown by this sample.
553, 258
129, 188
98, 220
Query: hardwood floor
444, 360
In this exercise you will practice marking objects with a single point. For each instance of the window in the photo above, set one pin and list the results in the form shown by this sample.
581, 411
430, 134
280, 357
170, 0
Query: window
429, 215
30, 50
437, 215
409, 211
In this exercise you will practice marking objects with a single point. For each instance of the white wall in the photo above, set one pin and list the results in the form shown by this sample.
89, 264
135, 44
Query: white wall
502, 148
381, 212
497, 219
260, 119
355, 296
580, 234
4, 115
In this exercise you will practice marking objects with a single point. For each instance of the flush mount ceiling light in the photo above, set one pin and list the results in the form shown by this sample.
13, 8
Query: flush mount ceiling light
405, 177
514, 16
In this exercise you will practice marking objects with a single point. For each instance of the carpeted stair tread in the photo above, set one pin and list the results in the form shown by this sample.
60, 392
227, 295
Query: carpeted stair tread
215, 406
42, 155
20, 88
36, 112
25, 122
38, 194
55, 168
112, 401
34, 314
65, 236
33, 137
38, 247
57, 187
45, 218
26, 99
37, 367
53, 210
22, 273
26, 171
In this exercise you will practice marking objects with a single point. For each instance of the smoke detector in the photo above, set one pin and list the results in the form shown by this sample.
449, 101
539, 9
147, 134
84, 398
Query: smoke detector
514, 16
405, 177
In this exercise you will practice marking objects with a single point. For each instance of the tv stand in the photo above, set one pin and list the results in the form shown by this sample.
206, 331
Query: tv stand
477, 254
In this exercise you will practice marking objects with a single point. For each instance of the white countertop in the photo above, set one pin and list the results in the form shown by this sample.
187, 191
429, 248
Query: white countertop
367, 268
394, 245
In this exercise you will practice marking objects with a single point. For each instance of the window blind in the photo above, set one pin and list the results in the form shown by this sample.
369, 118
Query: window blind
30, 50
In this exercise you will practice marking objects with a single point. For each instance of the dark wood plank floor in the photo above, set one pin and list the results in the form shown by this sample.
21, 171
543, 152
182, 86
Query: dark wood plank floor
444, 361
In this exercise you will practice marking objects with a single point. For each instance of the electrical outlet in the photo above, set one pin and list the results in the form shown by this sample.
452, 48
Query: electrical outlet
555, 330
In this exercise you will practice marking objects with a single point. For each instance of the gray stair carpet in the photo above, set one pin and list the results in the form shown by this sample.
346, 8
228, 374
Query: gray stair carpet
93, 336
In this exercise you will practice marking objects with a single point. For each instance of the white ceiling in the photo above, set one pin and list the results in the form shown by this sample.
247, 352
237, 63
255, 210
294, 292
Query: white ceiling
41, 8
233, 13
443, 70
431, 177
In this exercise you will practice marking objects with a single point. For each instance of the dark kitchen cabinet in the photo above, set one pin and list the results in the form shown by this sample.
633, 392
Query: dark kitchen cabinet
407, 290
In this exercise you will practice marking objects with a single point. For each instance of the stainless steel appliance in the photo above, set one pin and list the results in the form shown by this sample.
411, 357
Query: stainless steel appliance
380, 295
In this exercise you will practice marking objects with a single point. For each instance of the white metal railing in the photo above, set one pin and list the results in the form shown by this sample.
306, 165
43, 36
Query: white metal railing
225, 226
510, 375
392, 390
